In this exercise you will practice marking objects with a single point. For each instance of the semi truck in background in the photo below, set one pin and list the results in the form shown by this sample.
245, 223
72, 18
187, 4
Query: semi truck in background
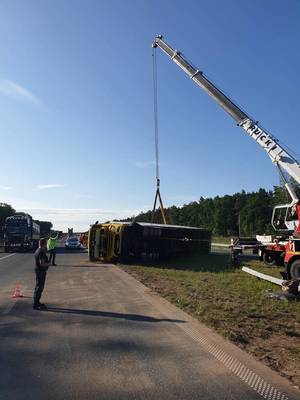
21, 232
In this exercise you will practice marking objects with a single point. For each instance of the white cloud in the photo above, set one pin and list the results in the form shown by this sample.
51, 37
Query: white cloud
78, 218
5, 187
49, 186
12, 89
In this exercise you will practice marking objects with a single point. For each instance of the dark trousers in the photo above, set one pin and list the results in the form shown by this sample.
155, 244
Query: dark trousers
52, 256
39, 287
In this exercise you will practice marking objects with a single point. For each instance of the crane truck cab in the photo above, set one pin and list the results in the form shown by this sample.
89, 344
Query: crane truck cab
287, 251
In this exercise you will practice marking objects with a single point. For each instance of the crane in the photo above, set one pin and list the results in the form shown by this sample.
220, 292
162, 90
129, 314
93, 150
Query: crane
283, 160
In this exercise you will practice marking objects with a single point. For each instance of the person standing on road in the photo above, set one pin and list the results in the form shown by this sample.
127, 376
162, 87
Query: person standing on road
51, 247
41, 267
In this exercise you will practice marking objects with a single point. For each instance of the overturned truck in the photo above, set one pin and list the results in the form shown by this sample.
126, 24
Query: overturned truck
140, 241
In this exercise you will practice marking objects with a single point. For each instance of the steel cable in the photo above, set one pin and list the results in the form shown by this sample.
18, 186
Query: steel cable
155, 109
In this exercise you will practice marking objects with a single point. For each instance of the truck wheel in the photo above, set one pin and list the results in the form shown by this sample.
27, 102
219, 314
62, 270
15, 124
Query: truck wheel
295, 269
268, 259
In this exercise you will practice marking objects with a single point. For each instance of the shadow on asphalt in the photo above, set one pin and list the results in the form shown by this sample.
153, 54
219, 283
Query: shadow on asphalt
108, 314
63, 250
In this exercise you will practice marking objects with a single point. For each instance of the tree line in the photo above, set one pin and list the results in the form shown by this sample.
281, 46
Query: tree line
241, 213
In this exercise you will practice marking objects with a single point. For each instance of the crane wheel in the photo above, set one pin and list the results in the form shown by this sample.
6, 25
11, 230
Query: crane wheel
268, 259
295, 269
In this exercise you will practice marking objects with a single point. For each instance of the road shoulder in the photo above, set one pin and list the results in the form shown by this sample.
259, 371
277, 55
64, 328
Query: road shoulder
259, 377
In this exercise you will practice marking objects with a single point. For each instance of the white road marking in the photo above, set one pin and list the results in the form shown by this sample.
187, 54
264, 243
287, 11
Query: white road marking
10, 255
256, 382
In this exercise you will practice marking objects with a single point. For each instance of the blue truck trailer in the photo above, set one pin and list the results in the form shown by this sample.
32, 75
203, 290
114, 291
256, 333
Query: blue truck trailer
21, 233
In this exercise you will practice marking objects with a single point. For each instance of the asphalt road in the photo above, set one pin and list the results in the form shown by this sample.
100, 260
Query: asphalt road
106, 336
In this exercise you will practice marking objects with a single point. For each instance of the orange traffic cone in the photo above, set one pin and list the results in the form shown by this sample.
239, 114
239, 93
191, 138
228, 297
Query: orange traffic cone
17, 292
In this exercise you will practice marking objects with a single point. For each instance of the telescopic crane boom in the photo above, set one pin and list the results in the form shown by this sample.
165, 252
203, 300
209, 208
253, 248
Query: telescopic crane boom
279, 156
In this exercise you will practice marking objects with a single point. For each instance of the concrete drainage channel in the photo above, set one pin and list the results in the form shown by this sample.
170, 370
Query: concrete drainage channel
261, 386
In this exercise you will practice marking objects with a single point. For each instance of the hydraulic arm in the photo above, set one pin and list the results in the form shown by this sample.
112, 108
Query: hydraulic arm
279, 156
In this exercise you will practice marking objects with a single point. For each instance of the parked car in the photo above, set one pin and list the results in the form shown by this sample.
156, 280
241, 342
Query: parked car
72, 242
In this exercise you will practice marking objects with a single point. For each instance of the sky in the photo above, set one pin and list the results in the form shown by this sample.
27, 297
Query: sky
76, 102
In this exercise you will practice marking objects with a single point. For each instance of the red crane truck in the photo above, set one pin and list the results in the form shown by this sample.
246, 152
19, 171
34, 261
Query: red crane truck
285, 217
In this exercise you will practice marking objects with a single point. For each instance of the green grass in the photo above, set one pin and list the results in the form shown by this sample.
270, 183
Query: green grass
221, 239
234, 304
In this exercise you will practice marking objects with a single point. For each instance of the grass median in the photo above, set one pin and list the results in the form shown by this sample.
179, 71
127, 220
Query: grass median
234, 304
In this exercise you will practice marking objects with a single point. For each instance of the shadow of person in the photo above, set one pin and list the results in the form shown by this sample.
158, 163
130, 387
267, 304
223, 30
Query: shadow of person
109, 314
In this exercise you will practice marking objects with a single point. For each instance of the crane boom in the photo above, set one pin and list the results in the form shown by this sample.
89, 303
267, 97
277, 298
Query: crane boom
279, 156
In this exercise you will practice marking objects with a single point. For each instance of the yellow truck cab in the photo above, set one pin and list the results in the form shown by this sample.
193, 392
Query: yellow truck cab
104, 241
